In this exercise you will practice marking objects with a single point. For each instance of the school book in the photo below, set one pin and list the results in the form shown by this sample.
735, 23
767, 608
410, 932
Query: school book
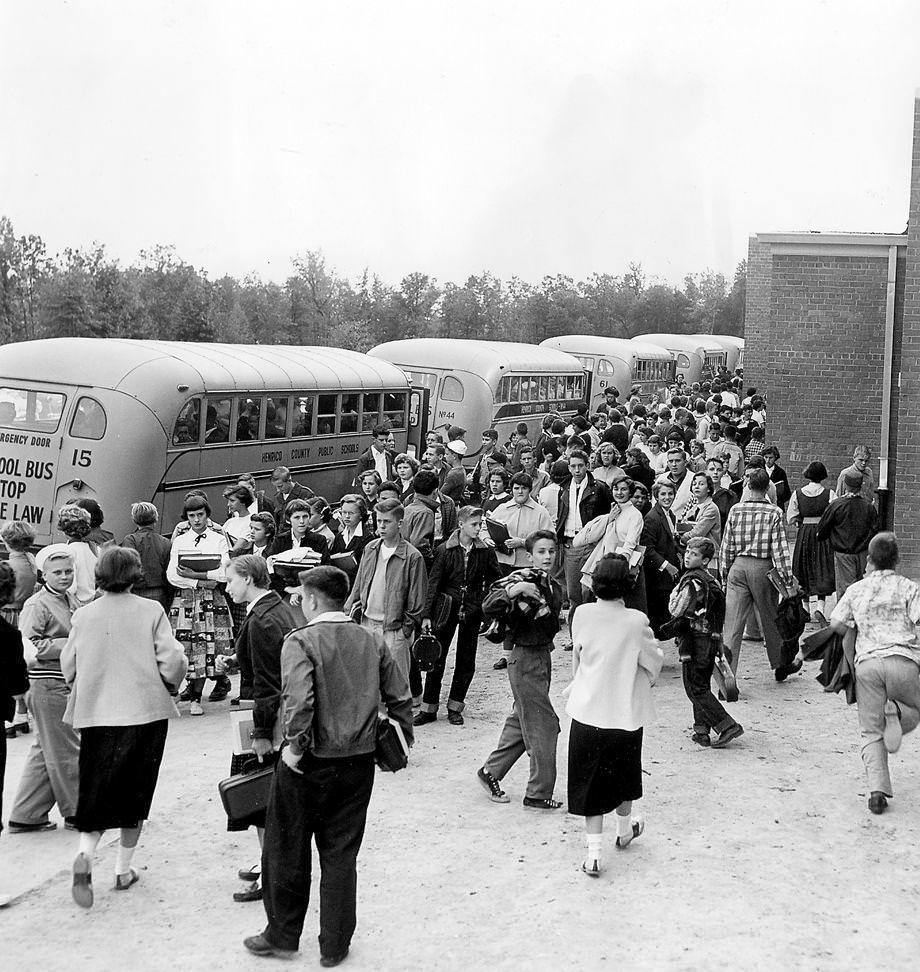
199, 561
344, 561
499, 534
242, 724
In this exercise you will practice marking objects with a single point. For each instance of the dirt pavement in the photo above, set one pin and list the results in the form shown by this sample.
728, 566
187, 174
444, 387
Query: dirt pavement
761, 856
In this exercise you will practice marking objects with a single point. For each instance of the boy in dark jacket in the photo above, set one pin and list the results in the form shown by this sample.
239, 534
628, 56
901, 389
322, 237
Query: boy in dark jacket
697, 605
463, 570
533, 726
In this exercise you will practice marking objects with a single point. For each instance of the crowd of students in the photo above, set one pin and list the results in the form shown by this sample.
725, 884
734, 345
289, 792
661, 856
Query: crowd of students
634, 524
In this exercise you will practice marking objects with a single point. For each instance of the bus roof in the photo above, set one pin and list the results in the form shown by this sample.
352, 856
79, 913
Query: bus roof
684, 342
624, 348
727, 340
491, 359
136, 367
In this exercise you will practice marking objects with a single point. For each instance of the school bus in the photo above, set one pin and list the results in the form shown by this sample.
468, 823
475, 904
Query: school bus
734, 349
122, 421
625, 364
697, 356
488, 384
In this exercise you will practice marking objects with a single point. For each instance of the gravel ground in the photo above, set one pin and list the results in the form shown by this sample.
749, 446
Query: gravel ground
760, 856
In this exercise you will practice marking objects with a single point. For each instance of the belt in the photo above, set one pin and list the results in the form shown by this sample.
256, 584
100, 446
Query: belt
810, 520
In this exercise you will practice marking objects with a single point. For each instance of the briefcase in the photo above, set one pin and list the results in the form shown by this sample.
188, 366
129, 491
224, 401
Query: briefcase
391, 751
245, 794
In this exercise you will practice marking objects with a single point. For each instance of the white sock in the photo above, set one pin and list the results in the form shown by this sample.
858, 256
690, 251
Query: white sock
123, 859
624, 825
595, 842
89, 841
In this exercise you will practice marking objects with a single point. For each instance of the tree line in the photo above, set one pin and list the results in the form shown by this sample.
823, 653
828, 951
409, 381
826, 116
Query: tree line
88, 293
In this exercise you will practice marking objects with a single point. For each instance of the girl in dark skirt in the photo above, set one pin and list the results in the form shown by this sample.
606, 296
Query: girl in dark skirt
117, 640
812, 559
615, 659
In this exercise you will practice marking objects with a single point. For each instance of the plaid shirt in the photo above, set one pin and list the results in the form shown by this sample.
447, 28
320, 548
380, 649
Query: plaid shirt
755, 529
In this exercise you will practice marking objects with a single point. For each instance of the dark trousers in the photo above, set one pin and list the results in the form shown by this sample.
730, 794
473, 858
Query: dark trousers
327, 803
708, 712
464, 664
533, 725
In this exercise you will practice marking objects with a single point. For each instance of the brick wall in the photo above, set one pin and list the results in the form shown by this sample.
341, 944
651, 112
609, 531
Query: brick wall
907, 438
814, 342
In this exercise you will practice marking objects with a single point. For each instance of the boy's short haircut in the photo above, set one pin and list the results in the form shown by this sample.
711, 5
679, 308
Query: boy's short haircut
144, 514
522, 479
499, 458
425, 483
388, 484
717, 459
705, 546
537, 535
658, 486
522, 428
883, 551
675, 451
490, 434
526, 451
329, 582
580, 454
468, 513
388, 506
372, 473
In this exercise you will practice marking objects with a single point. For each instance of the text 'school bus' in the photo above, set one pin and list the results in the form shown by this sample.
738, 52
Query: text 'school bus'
733, 347
697, 356
122, 421
619, 362
488, 384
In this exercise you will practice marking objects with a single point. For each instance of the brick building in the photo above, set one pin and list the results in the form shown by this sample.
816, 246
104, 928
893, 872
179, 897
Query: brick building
832, 336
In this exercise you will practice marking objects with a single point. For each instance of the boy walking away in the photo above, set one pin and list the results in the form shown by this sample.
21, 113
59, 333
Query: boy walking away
848, 524
885, 608
697, 606
530, 605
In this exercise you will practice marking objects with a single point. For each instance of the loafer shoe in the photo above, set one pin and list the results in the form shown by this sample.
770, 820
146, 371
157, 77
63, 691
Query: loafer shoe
250, 874
638, 828
784, 671
125, 881
892, 734
592, 868
500, 664
82, 889
423, 718
727, 735
702, 739
29, 828
253, 893
331, 961
454, 718
878, 802
264, 949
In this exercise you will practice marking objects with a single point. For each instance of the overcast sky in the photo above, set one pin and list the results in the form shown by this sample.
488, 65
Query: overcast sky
522, 138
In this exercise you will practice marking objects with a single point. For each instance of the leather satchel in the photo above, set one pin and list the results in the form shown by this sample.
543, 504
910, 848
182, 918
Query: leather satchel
391, 751
245, 794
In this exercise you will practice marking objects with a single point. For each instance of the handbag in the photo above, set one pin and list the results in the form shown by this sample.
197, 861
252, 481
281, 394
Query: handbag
245, 794
426, 650
391, 751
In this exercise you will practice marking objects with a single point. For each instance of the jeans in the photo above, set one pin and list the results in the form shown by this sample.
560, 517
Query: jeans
708, 712
464, 664
328, 804
878, 680
533, 726
748, 588
573, 561
51, 774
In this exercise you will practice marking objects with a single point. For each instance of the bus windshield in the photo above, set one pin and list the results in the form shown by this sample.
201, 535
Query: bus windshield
29, 410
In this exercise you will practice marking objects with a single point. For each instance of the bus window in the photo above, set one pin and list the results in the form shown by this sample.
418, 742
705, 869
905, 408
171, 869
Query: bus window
326, 411
89, 420
349, 413
683, 360
276, 410
451, 389
247, 421
604, 367
570, 386
30, 411
503, 390
303, 415
515, 395
370, 414
579, 387
217, 421
544, 394
186, 430
394, 409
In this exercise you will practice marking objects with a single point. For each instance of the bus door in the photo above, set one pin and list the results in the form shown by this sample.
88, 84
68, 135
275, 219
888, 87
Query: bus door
419, 412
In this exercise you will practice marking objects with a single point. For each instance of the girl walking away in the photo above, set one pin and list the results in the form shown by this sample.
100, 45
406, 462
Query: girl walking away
118, 640
812, 559
615, 660
199, 613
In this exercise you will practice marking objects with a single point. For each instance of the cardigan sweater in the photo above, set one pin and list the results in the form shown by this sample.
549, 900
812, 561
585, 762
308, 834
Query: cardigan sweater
119, 654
